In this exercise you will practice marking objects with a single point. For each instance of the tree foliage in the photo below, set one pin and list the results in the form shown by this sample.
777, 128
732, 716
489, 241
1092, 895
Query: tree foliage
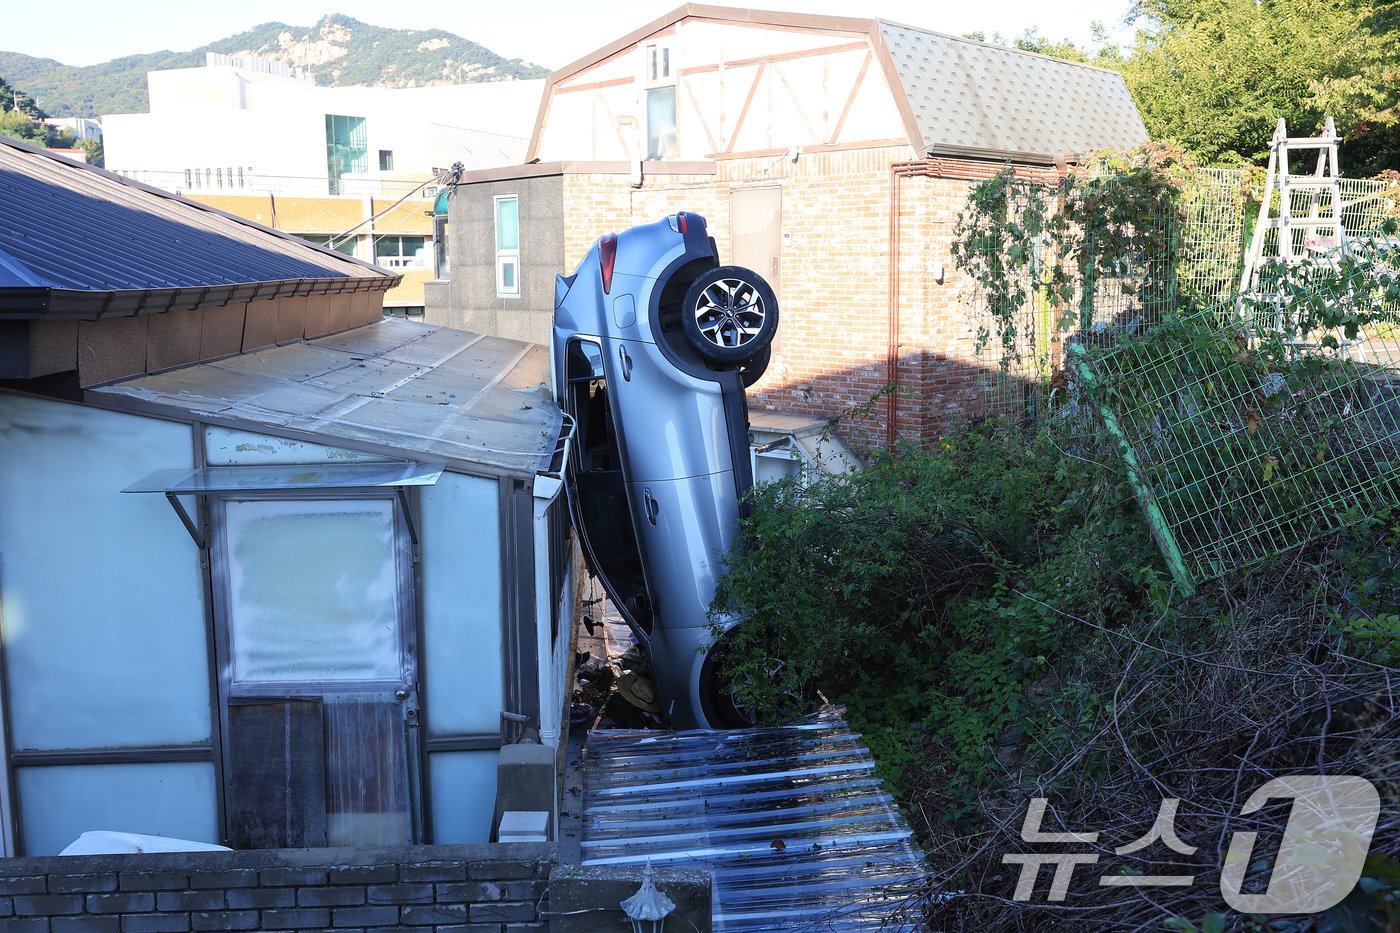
1217, 75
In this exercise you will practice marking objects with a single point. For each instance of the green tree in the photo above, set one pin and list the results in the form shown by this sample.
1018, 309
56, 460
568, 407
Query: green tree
19, 125
1217, 75
93, 148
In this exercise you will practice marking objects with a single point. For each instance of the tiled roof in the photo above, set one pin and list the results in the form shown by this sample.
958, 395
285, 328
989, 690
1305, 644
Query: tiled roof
974, 96
64, 225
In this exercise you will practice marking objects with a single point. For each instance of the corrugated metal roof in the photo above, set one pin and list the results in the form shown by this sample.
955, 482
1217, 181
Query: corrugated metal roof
415, 390
975, 96
65, 225
791, 821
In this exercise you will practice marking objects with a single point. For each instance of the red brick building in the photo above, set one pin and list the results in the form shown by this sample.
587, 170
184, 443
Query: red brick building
830, 154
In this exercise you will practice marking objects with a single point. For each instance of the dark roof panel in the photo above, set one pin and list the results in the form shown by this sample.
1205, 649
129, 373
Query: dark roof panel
64, 225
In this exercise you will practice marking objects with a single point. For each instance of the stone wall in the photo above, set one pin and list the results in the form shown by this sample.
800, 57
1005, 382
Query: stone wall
447, 889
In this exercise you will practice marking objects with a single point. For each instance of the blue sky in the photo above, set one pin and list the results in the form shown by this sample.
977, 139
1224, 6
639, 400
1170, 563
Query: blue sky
549, 32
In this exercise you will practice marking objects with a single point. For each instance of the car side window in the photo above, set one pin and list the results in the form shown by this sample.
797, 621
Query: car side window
604, 510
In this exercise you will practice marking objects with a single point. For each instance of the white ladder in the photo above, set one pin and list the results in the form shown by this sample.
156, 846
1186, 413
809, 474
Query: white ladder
1318, 230
1321, 226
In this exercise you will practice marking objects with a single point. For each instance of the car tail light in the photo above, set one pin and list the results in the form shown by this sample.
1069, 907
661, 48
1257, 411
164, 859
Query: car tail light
607, 255
684, 226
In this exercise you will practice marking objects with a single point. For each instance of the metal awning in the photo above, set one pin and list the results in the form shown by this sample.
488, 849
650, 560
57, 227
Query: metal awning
198, 481
201, 480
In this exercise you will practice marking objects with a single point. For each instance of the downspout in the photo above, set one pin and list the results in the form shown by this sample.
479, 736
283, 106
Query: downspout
892, 350
551, 654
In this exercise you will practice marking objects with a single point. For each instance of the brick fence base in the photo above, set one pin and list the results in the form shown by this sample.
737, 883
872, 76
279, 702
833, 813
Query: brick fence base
496, 888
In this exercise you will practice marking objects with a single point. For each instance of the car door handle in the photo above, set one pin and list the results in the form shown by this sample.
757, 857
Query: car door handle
626, 362
650, 506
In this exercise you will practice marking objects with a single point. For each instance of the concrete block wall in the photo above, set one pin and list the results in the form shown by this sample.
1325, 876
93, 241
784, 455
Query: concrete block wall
446, 889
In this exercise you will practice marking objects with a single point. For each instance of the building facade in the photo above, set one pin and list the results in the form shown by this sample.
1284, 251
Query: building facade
832, 155
355, 168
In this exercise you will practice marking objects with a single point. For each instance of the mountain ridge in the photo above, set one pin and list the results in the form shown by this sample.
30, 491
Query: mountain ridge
339, 50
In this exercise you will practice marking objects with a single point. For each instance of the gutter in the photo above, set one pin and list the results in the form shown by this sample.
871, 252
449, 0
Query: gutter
84, 305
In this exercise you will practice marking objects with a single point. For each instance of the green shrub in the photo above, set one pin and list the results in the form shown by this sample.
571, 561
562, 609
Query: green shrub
934, 593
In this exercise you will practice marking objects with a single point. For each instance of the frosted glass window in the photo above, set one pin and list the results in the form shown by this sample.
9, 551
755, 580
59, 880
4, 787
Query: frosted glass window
461, 574
313, 590
231, 447
100, 593
59, 804
464, 796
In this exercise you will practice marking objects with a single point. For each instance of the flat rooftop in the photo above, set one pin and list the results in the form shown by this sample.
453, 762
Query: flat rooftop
478, 404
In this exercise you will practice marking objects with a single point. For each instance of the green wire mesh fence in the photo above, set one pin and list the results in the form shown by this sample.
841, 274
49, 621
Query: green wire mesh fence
1249, 423
1200, 269
1258, 424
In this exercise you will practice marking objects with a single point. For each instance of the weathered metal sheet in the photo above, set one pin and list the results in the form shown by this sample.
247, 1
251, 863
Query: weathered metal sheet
791, 820
421, 392
975, 96
70, 226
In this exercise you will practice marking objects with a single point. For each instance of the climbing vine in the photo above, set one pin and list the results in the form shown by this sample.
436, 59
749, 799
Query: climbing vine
1114, 222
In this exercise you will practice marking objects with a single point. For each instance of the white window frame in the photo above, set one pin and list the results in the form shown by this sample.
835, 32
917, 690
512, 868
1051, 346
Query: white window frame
402, 261
506, 257
658, 71
664, 76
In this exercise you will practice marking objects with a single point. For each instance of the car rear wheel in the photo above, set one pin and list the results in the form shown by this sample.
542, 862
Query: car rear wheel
729, 315
723, 709
753, 368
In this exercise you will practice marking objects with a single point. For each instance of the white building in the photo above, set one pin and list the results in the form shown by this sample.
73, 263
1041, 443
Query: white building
80, 127
254, 124
353, 168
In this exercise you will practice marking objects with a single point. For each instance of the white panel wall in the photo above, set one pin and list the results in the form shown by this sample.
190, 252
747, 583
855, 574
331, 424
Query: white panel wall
461, 572
101, 611
740, 88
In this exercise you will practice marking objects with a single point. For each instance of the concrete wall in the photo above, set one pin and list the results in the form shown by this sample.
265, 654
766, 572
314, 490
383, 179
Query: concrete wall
482, 888
472, 303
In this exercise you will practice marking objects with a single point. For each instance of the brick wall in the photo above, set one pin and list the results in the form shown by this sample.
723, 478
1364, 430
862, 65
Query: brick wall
461, 889
835, 293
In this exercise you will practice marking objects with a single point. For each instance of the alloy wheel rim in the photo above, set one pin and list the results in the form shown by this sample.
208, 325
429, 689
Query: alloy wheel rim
730, 312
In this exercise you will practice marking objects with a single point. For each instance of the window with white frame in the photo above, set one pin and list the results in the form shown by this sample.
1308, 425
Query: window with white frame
401, 252
507, 246
660, 102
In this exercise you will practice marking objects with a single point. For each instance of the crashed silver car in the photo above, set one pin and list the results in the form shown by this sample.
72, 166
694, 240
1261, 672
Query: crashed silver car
654, 343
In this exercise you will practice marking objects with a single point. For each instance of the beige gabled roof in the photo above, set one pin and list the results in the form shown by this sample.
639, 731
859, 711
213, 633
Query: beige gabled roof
959, 96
